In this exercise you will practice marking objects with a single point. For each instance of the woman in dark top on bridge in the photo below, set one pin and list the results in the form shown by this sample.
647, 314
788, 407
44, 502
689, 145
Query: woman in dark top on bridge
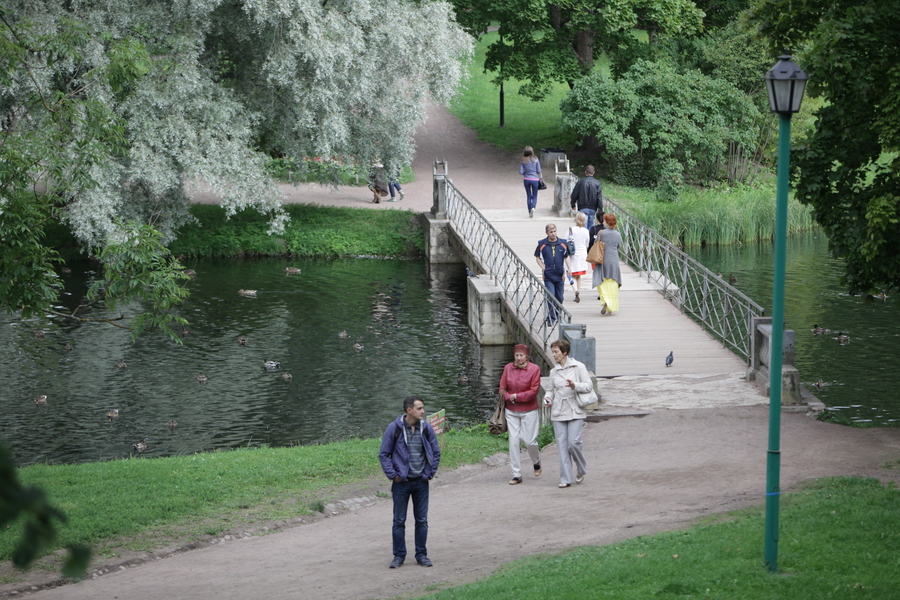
607, 278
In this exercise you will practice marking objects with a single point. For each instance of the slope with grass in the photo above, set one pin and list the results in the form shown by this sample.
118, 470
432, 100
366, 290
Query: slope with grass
838, 539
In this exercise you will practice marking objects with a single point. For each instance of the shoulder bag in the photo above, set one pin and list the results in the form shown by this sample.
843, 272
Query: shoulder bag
497, 422
541, 184
570, 242
587, 399
595, 254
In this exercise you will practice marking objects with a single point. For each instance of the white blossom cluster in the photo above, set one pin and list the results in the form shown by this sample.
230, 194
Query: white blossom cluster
217, 86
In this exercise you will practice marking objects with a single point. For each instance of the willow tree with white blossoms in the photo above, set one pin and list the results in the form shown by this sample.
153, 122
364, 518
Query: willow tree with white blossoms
115, 111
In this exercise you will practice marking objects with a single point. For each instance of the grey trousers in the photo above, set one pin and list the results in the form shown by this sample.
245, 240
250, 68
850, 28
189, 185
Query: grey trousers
568, 441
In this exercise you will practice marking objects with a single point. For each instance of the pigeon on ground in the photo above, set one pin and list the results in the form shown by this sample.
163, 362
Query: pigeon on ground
670, 358
471, 273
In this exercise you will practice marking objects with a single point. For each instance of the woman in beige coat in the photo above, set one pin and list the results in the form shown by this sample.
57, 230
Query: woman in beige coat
567, 379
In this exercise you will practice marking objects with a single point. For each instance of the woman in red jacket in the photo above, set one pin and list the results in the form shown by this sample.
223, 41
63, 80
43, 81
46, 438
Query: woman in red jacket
519, 387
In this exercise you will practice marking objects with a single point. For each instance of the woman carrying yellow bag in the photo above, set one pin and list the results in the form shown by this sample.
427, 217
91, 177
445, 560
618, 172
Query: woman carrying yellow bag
607, 277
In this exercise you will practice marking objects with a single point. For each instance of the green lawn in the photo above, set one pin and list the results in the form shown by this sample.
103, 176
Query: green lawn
838, 539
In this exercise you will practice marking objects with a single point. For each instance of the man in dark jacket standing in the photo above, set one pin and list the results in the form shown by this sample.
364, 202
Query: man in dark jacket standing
587, 196
409, 457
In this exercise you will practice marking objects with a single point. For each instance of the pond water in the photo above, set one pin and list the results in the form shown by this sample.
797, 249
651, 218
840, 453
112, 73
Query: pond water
409, 317
860, 378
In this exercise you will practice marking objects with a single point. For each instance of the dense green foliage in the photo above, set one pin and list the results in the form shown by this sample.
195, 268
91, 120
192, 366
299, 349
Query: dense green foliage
108, 500
546, 41
318, 231
838, 539
849, 168
659, 127
116, 111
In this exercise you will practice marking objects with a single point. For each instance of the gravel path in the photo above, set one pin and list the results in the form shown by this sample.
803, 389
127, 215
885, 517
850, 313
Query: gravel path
648, 474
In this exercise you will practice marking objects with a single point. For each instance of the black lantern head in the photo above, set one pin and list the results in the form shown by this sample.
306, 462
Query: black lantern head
785, 84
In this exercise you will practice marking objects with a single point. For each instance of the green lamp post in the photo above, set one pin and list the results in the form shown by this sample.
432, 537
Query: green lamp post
785, 84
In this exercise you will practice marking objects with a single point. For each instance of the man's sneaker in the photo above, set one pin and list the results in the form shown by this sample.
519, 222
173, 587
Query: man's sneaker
424, 561
396, 563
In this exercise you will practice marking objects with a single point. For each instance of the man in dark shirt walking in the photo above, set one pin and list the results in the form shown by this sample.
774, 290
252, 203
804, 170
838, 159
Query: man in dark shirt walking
409, 457
552, 257
587, 196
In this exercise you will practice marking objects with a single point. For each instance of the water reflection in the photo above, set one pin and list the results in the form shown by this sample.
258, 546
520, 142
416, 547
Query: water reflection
860, 378
409, 317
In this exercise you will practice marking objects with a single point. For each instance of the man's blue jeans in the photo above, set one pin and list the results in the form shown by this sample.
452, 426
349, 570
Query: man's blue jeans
556, 289
590, 213
417, 489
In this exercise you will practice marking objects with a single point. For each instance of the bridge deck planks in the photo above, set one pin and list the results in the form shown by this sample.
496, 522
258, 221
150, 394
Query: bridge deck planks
637, 339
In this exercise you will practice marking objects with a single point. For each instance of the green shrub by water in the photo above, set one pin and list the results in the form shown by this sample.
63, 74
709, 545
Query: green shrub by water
314, 231
838, 539
107, 501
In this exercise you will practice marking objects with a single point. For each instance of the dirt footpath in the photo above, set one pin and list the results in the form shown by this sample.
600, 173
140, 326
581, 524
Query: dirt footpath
645, 475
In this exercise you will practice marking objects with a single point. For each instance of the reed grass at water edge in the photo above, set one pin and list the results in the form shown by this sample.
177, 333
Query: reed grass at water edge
719, 216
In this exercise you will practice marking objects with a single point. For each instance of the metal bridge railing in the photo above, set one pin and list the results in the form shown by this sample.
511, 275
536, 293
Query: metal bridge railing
721, 309
523, 289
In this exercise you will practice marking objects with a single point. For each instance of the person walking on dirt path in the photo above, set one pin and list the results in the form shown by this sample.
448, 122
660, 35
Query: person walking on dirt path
519, 387
568, 379
409, 457
552, 257
377, 182
587, 196
530, 170
393, 176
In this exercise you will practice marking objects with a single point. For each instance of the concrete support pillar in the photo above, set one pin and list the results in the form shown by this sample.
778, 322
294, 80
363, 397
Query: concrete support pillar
437, 240
485, 318
760, 355
440, 173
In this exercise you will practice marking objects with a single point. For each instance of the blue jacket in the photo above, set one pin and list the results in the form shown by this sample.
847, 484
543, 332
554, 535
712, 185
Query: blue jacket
553, 255
394, 453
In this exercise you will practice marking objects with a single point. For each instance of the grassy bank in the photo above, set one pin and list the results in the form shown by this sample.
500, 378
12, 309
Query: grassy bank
313, 231
150, 501
838, 539
319, 231
528, 123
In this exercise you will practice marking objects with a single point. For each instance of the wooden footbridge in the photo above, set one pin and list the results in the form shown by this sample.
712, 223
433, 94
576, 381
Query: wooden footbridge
668, 301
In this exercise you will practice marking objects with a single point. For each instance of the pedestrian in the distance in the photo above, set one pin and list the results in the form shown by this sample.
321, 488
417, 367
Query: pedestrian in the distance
519, 387
587, 196
568, 379
530, 170
552, 257
393, 175
409, 457
377, 182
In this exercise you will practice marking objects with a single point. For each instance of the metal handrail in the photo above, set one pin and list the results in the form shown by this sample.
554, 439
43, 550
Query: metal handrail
721, 309
522, 288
